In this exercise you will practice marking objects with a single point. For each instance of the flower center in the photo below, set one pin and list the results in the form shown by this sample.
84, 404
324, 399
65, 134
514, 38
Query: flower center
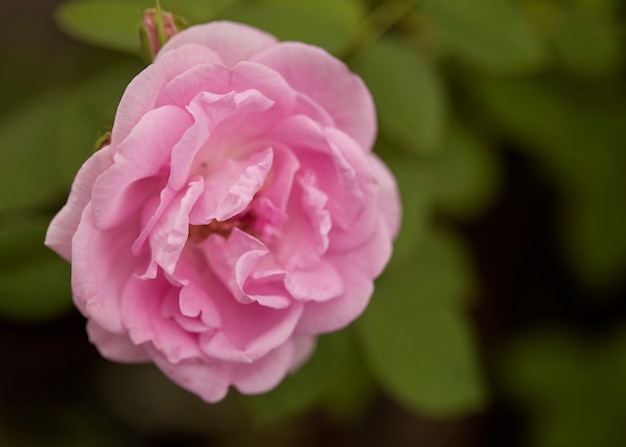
244, 221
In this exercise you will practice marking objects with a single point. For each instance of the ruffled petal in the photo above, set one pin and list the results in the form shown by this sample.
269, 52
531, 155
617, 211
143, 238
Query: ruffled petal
332, 315
389, 204
116, 347
319, 282
169, 229
245, 76
207, 380
305, 234
233, 42
278, 185
328, 82
249, 329
142, 306
266, 373
140, 168
102, 264
142, 92
230, 187
341, 165
64, 225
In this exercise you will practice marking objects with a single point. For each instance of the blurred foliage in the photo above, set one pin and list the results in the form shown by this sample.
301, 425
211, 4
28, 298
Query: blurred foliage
573, 386
459, 85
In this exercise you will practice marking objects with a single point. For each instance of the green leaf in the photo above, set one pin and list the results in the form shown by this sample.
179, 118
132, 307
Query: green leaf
408, 93
34, 282
415, 337
352, 391
89, 113
113, 23
587, 47
579, 143
325, 23
466, 174
592, 233
491, 34
28, 174
110, 24
301, 390
571, 386
558, 127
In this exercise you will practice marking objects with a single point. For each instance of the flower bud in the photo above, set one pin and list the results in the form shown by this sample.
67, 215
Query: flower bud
156, 28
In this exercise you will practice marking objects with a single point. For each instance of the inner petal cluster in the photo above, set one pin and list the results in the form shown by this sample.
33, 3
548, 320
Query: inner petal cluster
244, 221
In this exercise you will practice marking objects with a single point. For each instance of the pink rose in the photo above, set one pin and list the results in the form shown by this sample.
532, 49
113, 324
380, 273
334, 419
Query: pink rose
237, 212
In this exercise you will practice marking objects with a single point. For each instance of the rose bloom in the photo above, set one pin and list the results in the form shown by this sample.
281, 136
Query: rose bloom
237, 212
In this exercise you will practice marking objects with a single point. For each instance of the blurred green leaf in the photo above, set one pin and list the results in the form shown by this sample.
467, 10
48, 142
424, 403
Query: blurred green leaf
556, 127
113, 23
587, 47
326, 23
415, 337
34, 282
466, 174
304, 388
107, 23
28, 175
491, 34
352, 390
571, 386
592, 232
579, 143
88, 113
408, 92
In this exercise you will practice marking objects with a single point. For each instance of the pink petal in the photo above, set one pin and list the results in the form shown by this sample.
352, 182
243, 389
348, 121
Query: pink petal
171, 309
231, 186
277, 187
169, 230
121, 191
142, 306
64, 225
303, 350
202, 146
116, 347
341, 165
266, 373
195, 296
267, 288
305, 235
142, 92
334, 314
319, 282
249, 331
243, 77
207, 380
370, 257
388, 195
98, 280
233, 42
329, 83
234, 260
